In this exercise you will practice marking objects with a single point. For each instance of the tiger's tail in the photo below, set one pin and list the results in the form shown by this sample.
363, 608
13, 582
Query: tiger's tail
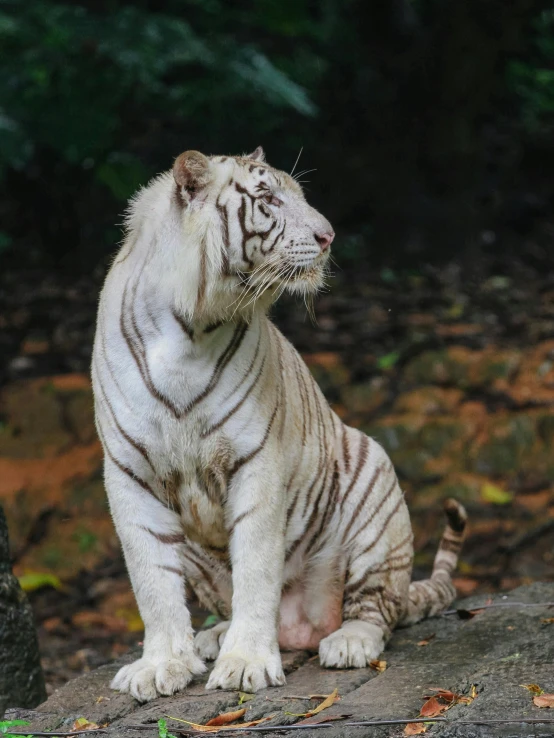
430, 596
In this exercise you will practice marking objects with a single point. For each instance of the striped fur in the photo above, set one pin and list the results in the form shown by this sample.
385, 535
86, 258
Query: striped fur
224, 465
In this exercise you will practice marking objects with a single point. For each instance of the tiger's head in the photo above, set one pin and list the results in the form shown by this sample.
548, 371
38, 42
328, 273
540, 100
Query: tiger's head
264, 237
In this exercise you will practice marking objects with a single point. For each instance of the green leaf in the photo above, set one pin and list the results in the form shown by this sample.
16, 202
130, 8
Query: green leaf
496, 495
162, 729
210, 620
388, 360
245, 697
33, 580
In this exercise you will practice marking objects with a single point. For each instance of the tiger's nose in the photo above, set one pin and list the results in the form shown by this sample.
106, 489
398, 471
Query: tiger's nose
324, 239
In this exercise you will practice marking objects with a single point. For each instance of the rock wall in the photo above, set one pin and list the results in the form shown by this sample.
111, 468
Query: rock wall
21, 679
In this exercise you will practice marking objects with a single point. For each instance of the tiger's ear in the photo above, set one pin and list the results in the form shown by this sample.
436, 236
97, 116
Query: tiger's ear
257, 155
191, 172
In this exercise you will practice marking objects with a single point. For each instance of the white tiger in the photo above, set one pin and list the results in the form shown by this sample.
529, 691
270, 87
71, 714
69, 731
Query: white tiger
224, 465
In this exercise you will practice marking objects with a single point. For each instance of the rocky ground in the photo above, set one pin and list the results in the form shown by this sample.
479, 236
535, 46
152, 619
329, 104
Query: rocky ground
454, 374
470, 670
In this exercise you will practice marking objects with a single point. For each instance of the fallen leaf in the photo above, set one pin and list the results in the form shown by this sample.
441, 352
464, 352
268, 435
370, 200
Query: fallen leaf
469, 699
327, 702
446, 695
84, 724
414, 729
496, 495
322, 719
426, 641
32, 580
544, 700
214, 728
227, 717
245, 697
378, 665
432, 708
547, 621
533, 688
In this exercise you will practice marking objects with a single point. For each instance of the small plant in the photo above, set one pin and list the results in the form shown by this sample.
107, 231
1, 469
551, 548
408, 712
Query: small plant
163, 731
5, 726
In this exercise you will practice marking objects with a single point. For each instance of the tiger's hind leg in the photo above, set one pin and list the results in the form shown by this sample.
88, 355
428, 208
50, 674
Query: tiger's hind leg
376, 530
207, 643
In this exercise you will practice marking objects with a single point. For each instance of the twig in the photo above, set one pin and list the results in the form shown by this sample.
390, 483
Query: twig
297, 726
499, 604
54, 733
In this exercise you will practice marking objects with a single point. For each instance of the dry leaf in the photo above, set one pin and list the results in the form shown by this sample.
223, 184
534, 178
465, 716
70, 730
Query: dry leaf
327, 702
322, 719
432, 708
414, 729
214, 728
472, 695
547, 621
84, 724
378, 665
227, 717
533, 688
446, 695
544, 700
426, 641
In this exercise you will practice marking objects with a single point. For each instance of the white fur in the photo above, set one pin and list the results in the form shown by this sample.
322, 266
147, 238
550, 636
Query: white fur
209, 457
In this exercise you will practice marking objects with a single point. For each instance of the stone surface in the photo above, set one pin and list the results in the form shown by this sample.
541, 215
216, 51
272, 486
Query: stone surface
497, 650
21, 680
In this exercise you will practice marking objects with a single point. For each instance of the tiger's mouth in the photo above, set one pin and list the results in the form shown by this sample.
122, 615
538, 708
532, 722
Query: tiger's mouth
289, 277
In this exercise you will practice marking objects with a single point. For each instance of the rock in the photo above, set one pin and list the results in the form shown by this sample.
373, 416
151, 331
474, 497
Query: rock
488, 369
496, 651
21, 679
51, 464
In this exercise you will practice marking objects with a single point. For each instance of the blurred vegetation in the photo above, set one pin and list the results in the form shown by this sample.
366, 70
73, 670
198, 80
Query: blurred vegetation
427, 121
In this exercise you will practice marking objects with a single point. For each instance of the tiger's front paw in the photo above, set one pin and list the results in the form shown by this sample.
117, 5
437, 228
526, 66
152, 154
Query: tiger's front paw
145, 679
355, 644
234, 670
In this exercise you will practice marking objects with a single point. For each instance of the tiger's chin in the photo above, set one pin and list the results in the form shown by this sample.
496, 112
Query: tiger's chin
306, 280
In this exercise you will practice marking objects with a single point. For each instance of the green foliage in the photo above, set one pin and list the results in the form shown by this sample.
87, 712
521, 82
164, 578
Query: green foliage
82, 83
532, 79
6, 725
96, 97
163, 731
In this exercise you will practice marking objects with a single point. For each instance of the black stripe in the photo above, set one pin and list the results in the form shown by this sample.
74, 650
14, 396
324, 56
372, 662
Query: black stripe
169, 538
125, 469
134, 443
362, 458
237, 406
377, 471
187, 329
246, 459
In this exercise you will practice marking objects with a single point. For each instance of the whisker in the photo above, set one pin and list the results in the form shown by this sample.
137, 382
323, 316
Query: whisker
297, 160
304, 171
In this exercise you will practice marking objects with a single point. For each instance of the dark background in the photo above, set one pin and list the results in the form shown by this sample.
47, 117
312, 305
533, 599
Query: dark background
426, 128
428, 122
